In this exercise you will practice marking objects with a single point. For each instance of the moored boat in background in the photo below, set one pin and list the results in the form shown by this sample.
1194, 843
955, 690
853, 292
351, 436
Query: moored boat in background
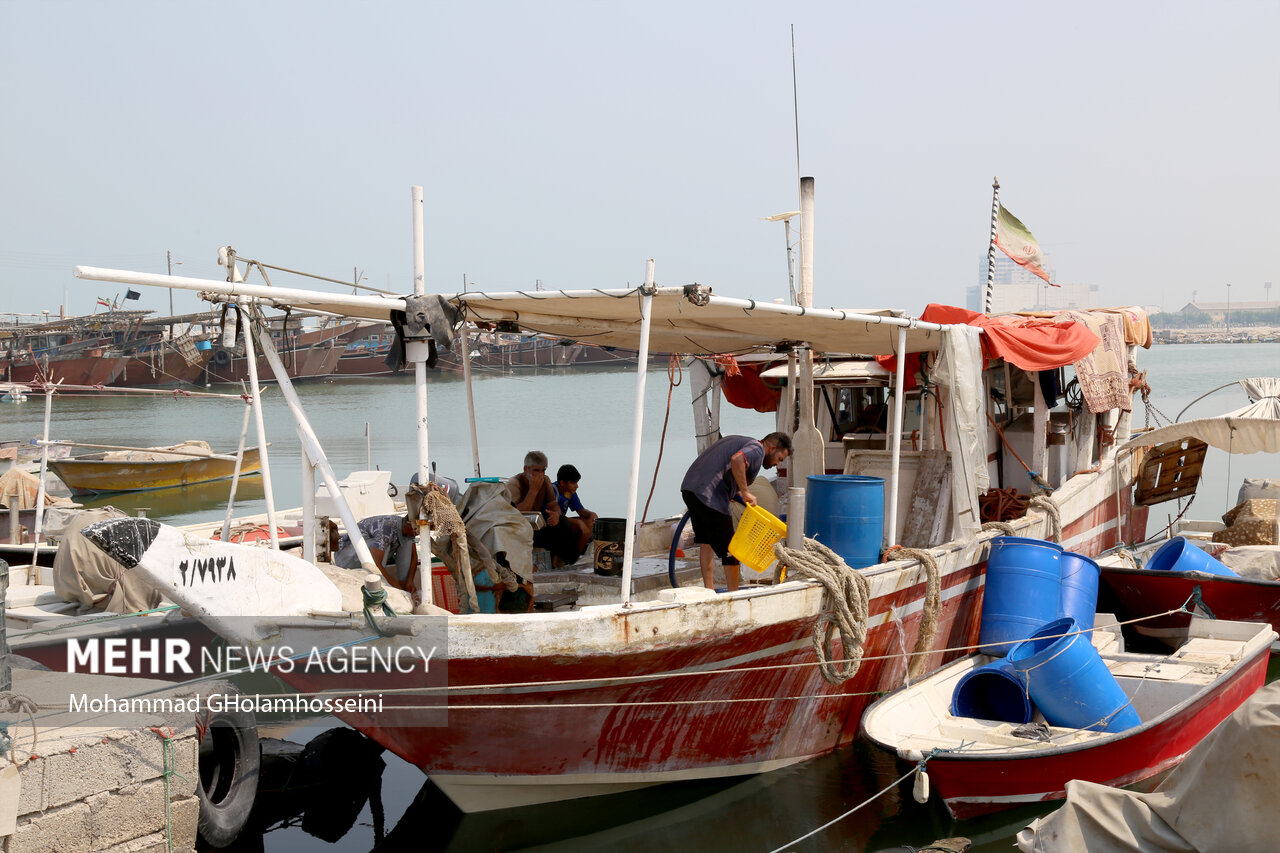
120, 469
1228, 567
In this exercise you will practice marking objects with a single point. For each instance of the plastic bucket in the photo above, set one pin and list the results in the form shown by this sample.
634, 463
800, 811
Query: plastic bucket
610, 535
1179, 555
845, 512
203, 345
993, 691
1021, 593
1079, 587
1069, 682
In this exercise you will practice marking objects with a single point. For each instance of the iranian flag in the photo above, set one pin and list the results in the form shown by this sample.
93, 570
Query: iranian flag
1017, 241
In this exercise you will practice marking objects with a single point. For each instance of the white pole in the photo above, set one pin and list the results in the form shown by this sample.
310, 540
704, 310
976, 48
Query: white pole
313, 454
899, 412
308, 508
418, 351
44, 467
466, 378
281, 376
805, 291
642, 372
809, 448
235, 475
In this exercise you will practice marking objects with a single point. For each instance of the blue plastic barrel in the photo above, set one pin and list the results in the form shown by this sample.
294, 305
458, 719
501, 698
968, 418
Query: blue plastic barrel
845, 512
1021, 593
993, 691
1179, 555
203, 345
1069, 682
1079, 587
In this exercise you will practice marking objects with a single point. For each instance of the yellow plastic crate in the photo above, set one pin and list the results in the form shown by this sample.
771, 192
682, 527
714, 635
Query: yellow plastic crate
753, 541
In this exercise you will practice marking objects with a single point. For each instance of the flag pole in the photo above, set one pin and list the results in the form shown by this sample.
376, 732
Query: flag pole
991, 246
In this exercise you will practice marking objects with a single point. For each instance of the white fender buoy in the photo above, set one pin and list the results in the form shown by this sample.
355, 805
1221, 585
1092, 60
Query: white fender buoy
921, 791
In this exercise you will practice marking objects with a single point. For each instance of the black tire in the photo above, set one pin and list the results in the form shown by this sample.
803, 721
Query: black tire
229, 762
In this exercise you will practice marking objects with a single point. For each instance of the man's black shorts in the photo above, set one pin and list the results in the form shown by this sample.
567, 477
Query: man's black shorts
710, 527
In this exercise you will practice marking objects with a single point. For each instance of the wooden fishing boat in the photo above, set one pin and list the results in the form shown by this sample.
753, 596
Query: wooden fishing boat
665, 685
142, 469
1249, 547
981, 766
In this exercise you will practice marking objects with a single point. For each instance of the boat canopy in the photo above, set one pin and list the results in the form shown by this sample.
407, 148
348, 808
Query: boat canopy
689, 320
694, 321
1255, 428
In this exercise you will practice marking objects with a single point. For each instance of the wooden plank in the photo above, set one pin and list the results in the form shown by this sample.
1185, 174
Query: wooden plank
1170, 471
929, 516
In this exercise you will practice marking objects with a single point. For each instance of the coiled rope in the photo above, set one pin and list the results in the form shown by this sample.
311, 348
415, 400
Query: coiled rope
1005, 528
12, 703
1127, 555
374, 599
932, 604
846, 602
1045, 504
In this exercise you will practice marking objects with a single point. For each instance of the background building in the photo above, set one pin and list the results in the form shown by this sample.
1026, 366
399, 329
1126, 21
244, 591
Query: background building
1017, 289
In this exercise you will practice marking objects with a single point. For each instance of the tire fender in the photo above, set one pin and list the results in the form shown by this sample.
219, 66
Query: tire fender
229, 759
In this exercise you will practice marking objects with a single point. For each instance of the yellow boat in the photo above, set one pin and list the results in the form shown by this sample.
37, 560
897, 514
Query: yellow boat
135, 469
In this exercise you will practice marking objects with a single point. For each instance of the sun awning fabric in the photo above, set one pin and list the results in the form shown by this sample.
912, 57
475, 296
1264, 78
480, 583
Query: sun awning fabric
696, 322
1254, 428
688, 320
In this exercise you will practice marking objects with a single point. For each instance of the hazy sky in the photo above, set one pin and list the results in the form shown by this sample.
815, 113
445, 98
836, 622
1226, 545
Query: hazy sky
568, 142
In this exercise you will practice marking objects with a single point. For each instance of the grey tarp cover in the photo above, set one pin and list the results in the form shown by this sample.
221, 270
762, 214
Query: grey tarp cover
1222, 797
86, 575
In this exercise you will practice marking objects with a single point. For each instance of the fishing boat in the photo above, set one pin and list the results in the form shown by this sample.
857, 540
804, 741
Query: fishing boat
307, 354
72, 350
685, 682
135, 469
979, 766
1228, 567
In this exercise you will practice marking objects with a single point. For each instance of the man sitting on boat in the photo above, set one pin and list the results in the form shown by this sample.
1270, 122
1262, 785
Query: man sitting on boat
533, 491
566, 489
391, 543
722, 472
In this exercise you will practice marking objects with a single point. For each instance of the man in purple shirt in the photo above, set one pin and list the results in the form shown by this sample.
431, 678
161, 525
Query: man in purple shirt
721, 472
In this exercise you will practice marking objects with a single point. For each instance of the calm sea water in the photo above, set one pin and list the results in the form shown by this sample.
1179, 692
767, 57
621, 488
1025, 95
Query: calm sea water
584, 418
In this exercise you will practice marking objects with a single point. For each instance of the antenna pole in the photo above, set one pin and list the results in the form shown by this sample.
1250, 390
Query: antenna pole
795, 98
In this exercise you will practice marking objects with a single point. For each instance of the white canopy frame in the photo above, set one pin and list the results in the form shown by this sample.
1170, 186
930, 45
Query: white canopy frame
689, 319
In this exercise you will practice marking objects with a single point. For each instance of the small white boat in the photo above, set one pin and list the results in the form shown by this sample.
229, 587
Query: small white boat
980, 766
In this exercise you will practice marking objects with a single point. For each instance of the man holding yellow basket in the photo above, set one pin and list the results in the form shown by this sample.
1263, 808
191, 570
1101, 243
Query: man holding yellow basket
722, 472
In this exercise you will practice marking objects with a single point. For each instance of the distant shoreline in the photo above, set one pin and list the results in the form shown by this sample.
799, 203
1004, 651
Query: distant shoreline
1247, 335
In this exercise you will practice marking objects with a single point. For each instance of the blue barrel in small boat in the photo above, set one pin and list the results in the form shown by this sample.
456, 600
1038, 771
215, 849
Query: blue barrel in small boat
1022, 591
1179, 555
1079, 587
993, 691
845, 512
1069, 682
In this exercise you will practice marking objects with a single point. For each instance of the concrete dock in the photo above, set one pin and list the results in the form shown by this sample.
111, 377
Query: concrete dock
95, 787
